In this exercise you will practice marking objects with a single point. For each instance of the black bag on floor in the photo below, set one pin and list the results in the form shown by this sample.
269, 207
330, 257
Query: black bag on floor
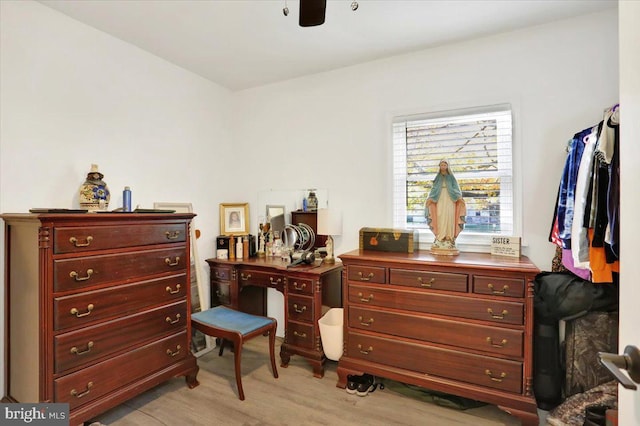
560, 296
584, 338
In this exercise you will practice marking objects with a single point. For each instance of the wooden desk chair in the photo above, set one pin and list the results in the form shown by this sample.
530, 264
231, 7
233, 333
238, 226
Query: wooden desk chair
237, 327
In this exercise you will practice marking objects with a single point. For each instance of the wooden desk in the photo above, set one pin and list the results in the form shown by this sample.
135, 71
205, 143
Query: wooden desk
233, 283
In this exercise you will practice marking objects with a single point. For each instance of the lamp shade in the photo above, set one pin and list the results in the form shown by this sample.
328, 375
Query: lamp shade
329, 222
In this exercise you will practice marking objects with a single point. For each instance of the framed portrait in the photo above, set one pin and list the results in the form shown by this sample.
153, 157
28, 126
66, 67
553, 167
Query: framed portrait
200, 343
234, 219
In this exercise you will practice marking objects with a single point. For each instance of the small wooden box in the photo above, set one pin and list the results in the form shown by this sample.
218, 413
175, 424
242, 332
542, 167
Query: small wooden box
388, 239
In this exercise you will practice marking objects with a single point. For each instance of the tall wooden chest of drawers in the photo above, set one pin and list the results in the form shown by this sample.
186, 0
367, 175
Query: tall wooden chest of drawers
456, 324
97, 307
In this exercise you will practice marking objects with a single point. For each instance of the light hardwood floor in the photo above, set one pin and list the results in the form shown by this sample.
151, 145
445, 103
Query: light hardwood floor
295, 398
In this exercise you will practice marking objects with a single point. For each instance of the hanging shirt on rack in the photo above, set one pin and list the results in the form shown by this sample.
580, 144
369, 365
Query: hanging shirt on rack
566, 197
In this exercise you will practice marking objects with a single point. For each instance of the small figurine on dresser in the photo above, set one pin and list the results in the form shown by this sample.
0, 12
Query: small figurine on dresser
94, 193
446, 211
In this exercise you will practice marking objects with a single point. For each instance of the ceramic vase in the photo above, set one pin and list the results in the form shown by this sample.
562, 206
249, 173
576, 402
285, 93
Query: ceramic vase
94, 192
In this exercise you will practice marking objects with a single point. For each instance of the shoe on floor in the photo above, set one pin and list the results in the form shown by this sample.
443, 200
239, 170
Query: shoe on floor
366, 385
354, 381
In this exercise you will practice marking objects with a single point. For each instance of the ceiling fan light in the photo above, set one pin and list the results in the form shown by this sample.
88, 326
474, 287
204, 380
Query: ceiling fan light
312, 12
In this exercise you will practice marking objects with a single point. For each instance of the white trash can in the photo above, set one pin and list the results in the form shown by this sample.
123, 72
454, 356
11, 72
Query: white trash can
331, 333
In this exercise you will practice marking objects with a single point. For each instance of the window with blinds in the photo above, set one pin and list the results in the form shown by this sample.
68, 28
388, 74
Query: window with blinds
478, 144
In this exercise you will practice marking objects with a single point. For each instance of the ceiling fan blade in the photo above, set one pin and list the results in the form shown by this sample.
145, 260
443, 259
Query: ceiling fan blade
312, 12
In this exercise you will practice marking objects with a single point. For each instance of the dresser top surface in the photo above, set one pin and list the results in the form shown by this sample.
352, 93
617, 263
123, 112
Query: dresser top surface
466, 260
92, 217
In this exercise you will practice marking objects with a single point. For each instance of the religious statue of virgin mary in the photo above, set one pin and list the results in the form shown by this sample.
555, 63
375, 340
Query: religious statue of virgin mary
446, 211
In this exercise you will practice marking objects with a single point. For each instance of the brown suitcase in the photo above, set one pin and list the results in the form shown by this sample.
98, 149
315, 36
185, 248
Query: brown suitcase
584, 338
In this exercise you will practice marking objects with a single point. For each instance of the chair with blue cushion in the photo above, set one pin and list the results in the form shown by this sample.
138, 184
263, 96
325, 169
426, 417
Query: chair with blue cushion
237, 327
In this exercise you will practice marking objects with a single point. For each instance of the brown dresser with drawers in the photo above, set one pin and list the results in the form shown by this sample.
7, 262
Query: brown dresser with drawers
456, 324
96, 307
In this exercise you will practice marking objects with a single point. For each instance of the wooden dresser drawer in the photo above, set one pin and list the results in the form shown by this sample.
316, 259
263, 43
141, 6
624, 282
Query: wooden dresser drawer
222, 273
89, 238
80, 347
77, 273
100, 379
490, 339
481, 370
300, 285
509, 287
430, 280
299, 334
371, 274
84, 308
498, 311
300, 308
261, 278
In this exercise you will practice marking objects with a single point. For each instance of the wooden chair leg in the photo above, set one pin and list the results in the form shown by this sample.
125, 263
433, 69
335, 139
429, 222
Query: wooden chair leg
237, 356
272, 344
221, 347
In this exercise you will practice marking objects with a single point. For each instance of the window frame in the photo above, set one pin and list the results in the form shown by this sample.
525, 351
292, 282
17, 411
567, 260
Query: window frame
466, 241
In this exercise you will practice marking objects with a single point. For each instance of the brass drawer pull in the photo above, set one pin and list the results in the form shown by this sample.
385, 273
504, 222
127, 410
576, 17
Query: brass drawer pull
172, 235
74, 311
74, 350
367, 278
367, 323
81, 394
303, 335
497, 345
74, 275
497, 316
503, 291
299, 287
74, 241
170, 291
171, 353
362, 298
275, 282
220, 276
495, 379
299, 310
170, 321
244, 277
428, 285
366, 351
174, 263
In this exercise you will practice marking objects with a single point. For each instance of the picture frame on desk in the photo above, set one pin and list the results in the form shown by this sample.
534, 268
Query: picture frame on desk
234, 219
200, 343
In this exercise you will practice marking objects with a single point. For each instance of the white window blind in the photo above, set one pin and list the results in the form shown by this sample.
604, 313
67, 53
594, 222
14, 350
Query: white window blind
478, 144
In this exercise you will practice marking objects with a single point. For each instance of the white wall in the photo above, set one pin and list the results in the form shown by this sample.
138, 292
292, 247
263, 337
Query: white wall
629, 13
72, 95
332, 130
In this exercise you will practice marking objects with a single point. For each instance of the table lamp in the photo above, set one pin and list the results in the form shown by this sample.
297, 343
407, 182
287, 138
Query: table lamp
329, 224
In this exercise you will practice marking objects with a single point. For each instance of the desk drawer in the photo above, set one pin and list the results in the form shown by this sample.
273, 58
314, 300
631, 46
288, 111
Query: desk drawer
81, 272
494, 340
370, 274
300, 308
299, 334
497, 311
430, 280
221, 273
81, 309
260, 278
300, 285
508, 287
95, 342
89, 238
481, 370
100, 379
